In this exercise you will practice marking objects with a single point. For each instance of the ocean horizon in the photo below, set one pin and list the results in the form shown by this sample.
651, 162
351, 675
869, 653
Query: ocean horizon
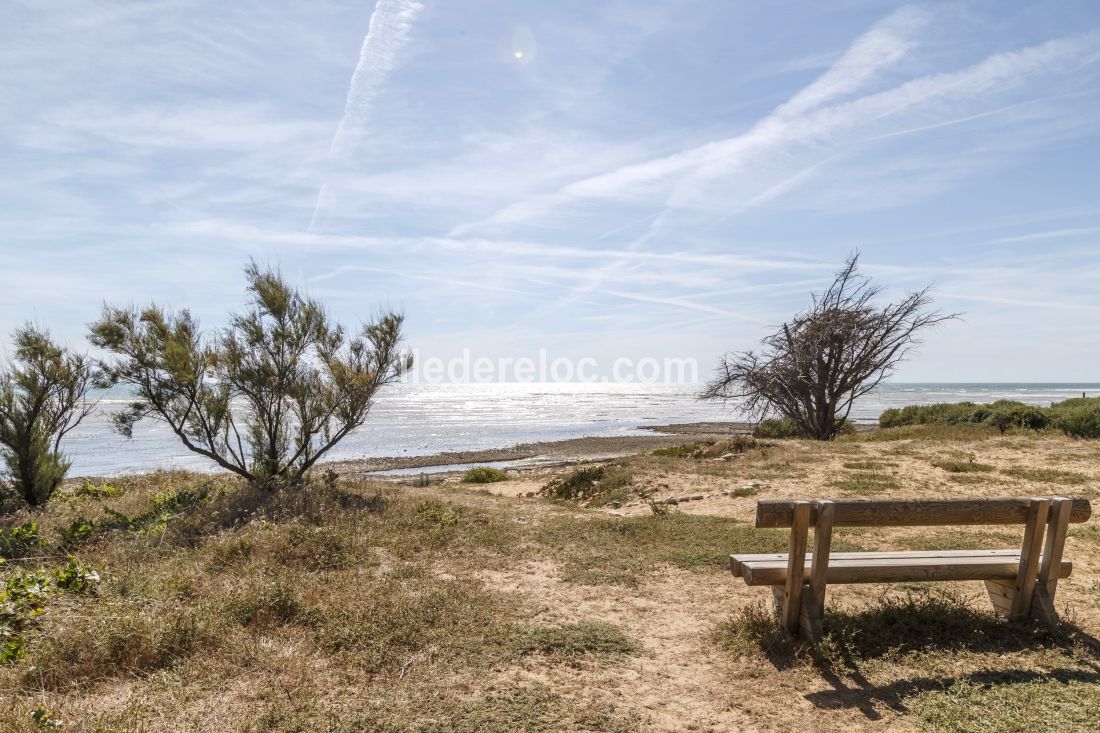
413, 419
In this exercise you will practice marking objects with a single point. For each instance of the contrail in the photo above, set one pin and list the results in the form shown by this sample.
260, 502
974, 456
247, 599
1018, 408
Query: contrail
387, 34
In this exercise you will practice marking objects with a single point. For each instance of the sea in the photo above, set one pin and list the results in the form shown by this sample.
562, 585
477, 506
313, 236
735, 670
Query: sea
413, 419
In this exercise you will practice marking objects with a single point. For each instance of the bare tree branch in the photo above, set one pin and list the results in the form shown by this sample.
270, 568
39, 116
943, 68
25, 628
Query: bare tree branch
815, 366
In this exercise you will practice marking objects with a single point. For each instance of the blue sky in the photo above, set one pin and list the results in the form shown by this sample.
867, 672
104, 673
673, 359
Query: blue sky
595, 179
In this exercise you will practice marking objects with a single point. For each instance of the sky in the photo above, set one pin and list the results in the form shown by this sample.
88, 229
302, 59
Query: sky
635, 178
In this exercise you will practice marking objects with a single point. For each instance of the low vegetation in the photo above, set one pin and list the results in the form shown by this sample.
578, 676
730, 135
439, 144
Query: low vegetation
484, 475
43, 396
593, 485
1047, 476
575, 640
865, 483
1079, 417
962, 464
184, 602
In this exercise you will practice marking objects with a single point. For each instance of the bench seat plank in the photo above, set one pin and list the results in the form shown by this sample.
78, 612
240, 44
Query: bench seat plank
737, 560
885, 567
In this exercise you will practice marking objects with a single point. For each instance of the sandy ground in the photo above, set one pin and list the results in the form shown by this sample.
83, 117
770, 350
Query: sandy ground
685, 683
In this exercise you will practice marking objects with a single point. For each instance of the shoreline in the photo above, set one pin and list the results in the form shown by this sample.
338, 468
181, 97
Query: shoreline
551, 453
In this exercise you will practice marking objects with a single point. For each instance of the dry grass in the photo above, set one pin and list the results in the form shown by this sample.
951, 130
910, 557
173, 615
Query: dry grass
359, 605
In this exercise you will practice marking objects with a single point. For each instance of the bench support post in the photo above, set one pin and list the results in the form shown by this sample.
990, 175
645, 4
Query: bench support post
1028, 572
796, 564
814, 600
1042, 605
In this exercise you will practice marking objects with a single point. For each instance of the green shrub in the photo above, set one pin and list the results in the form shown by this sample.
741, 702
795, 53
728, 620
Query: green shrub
1007, 414
484, 475
22, 600
782, 427
98, 491
20, 541
1002, 414
1078, 418
42, 398
78, 532
590, 483
439, 513
77, 577
941, 413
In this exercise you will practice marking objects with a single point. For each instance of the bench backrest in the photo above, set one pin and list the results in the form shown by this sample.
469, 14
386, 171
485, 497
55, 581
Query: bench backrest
914, 513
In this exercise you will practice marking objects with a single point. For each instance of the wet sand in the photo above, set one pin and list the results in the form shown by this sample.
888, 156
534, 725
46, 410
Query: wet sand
557, 452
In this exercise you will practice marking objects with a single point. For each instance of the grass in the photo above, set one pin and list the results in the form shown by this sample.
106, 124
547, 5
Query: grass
933, 656
593, 551
864, 483
962, 465
1067, 702
868, 464
484, 475
960, 539
900, 629
922, 433
676, 451
1089, 532
742, 491
1047, 476
359, 605
972, 479
574, 640
534, 709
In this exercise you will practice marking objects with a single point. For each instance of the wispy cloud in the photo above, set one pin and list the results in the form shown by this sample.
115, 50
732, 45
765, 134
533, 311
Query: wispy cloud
806, 127
387, 34
1049, 234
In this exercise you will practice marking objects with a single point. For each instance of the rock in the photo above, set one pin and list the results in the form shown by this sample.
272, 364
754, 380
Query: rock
689, 497
753, 485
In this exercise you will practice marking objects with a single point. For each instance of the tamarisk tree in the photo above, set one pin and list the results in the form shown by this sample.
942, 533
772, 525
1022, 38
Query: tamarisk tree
266, 397
815, 366
43, 396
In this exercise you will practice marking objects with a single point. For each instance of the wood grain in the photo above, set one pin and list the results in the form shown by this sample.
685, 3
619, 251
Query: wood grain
915, 513
1028, 570
886, 570
819, 564
1042, 602
795, 567
737, 560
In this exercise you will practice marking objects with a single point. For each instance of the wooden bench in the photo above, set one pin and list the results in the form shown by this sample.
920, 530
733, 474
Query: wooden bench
1021, 583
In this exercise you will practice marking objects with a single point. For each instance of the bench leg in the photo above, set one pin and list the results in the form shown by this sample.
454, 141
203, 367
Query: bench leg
1042, 603
1028, 572
813, 607
1001, 594
796, 567
809, 623
809, 615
